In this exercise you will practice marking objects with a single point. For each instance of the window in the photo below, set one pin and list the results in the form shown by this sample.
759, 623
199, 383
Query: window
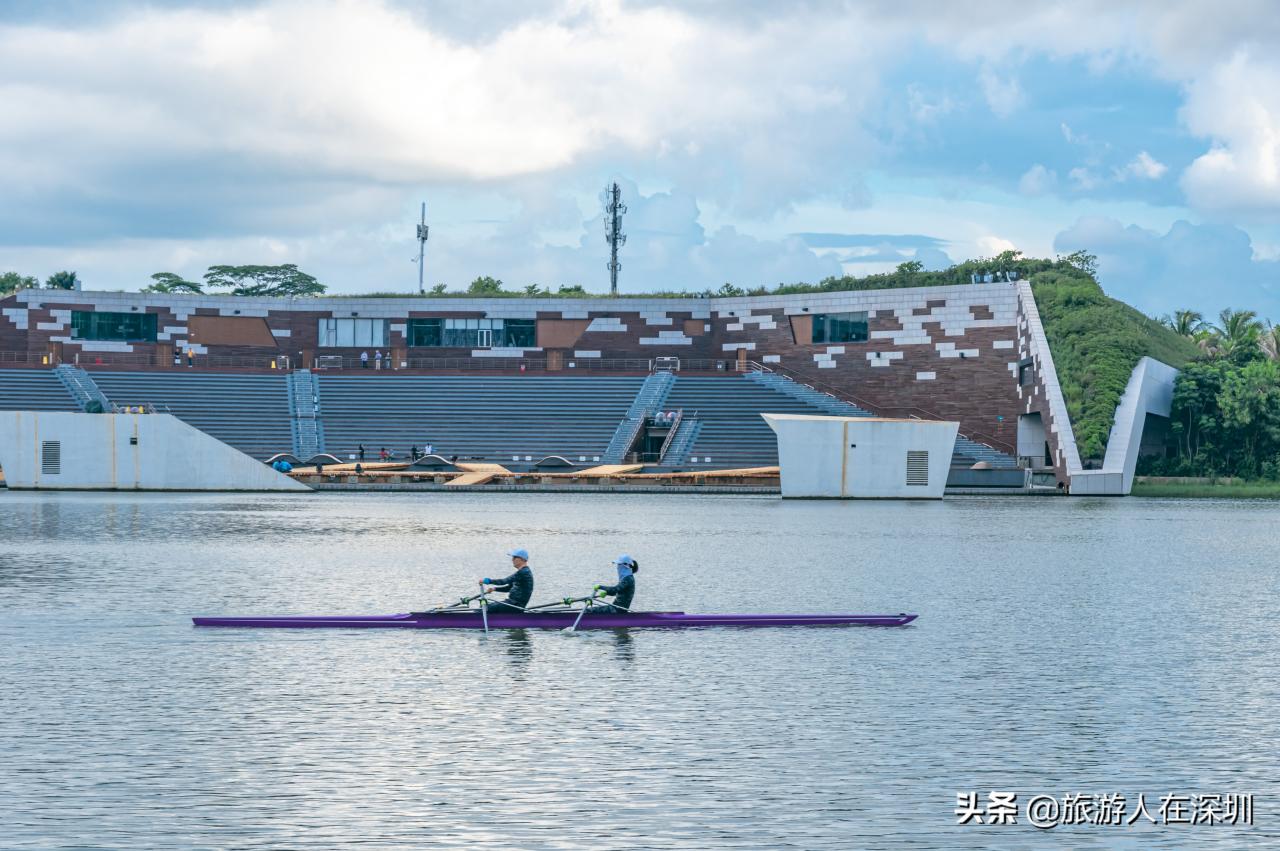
840, 327
353, 333
425, 332
520, 333
129, 327
473, 333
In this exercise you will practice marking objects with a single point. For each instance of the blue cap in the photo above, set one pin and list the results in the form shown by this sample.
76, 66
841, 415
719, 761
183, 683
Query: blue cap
524, 554
627, 560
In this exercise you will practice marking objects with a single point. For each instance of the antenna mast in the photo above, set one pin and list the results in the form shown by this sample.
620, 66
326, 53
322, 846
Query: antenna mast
613, 210
422, 245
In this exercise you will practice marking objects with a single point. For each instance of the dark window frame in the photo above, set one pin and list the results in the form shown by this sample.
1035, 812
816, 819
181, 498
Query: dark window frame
132, 327
850, 327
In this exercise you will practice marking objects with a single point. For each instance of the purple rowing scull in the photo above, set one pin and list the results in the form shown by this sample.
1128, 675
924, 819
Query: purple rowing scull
551, 620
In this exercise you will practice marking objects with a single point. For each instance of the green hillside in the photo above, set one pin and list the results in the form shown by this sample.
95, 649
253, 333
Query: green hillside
1096, 342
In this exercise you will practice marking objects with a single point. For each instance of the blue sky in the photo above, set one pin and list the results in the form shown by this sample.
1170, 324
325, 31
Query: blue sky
756, 143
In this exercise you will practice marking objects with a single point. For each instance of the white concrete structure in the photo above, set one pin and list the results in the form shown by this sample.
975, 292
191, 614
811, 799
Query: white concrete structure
72, 451
863, 457
1149, 391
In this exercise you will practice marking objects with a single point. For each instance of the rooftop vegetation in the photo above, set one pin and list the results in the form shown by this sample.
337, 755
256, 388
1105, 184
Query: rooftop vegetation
1096, 342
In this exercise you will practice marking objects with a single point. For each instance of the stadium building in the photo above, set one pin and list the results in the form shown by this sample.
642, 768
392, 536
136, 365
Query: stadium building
677, 382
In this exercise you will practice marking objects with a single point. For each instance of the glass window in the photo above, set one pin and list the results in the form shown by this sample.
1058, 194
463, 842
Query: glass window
98, 325
518, 333
840, 327
426, 332
353, 333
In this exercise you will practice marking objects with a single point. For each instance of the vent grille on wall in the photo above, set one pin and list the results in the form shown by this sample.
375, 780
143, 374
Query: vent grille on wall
918, 468
51, 457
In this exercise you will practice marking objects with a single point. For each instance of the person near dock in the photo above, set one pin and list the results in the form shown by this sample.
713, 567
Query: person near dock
378, 358
364, 360
622, 591
413, 453
518, 586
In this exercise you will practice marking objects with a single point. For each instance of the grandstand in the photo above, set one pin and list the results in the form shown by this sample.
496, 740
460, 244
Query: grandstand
511, 419
34, 390
732, 432
250, 412
495, 418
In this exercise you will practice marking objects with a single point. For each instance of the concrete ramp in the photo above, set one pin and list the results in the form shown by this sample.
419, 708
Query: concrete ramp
478, 474
42, 450
609, 470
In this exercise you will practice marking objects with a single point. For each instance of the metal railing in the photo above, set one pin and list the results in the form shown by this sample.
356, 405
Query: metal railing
675, 426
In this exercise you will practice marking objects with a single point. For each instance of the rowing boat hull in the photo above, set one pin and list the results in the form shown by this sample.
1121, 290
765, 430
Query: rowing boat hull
552, 620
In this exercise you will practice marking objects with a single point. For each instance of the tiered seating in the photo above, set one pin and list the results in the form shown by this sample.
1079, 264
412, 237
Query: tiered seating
491, 417
33, 390
250, 412
733, 432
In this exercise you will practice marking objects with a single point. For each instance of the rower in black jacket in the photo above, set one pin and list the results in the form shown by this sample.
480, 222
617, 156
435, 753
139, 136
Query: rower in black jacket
519, 585
623, 591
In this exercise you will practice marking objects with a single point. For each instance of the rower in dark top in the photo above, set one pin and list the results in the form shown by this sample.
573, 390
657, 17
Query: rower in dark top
623, 591
519, 585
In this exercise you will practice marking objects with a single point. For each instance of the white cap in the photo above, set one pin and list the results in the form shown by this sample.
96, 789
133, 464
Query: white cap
624, 559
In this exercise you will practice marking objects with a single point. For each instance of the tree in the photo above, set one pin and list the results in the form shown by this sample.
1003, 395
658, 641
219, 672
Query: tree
1081, 260
167, 282
62, 281
728, 290
1185, 323
1270, 341
910, 267
11, 282
573, 290
278, 281
439, 289
1250, 403
533, 291
485, 285
1239, 332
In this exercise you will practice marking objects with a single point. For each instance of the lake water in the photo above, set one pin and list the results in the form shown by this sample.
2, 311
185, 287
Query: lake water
1064, 645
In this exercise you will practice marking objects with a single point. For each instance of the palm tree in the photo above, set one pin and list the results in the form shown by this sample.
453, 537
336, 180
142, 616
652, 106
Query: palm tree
1237, 330
1185, 323
1270, 341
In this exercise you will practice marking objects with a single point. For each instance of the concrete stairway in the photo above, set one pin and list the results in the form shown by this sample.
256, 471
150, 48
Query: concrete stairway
967, 452
823, 401
81, 386
304, 414
686, 434
648, 400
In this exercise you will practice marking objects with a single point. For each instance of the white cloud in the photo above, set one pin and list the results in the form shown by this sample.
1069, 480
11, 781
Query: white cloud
992, 245
1084, 179
362, 92
1037, 180
1004, 95
1143, 167
1238, 107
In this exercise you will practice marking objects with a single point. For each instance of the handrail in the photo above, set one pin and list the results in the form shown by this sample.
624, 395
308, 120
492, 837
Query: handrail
675, 426
911, 411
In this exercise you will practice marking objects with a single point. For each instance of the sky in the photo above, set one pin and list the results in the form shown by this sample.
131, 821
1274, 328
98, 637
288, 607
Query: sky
755, 142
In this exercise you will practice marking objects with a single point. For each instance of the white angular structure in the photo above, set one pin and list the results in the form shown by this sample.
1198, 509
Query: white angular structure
863, 457
40, 450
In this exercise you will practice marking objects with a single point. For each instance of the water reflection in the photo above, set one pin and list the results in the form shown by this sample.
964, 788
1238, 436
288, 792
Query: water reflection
519, 647
623, 645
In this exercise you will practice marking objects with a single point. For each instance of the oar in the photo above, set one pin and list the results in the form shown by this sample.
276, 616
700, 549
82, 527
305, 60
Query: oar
585, 606
484, 608
465, 602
